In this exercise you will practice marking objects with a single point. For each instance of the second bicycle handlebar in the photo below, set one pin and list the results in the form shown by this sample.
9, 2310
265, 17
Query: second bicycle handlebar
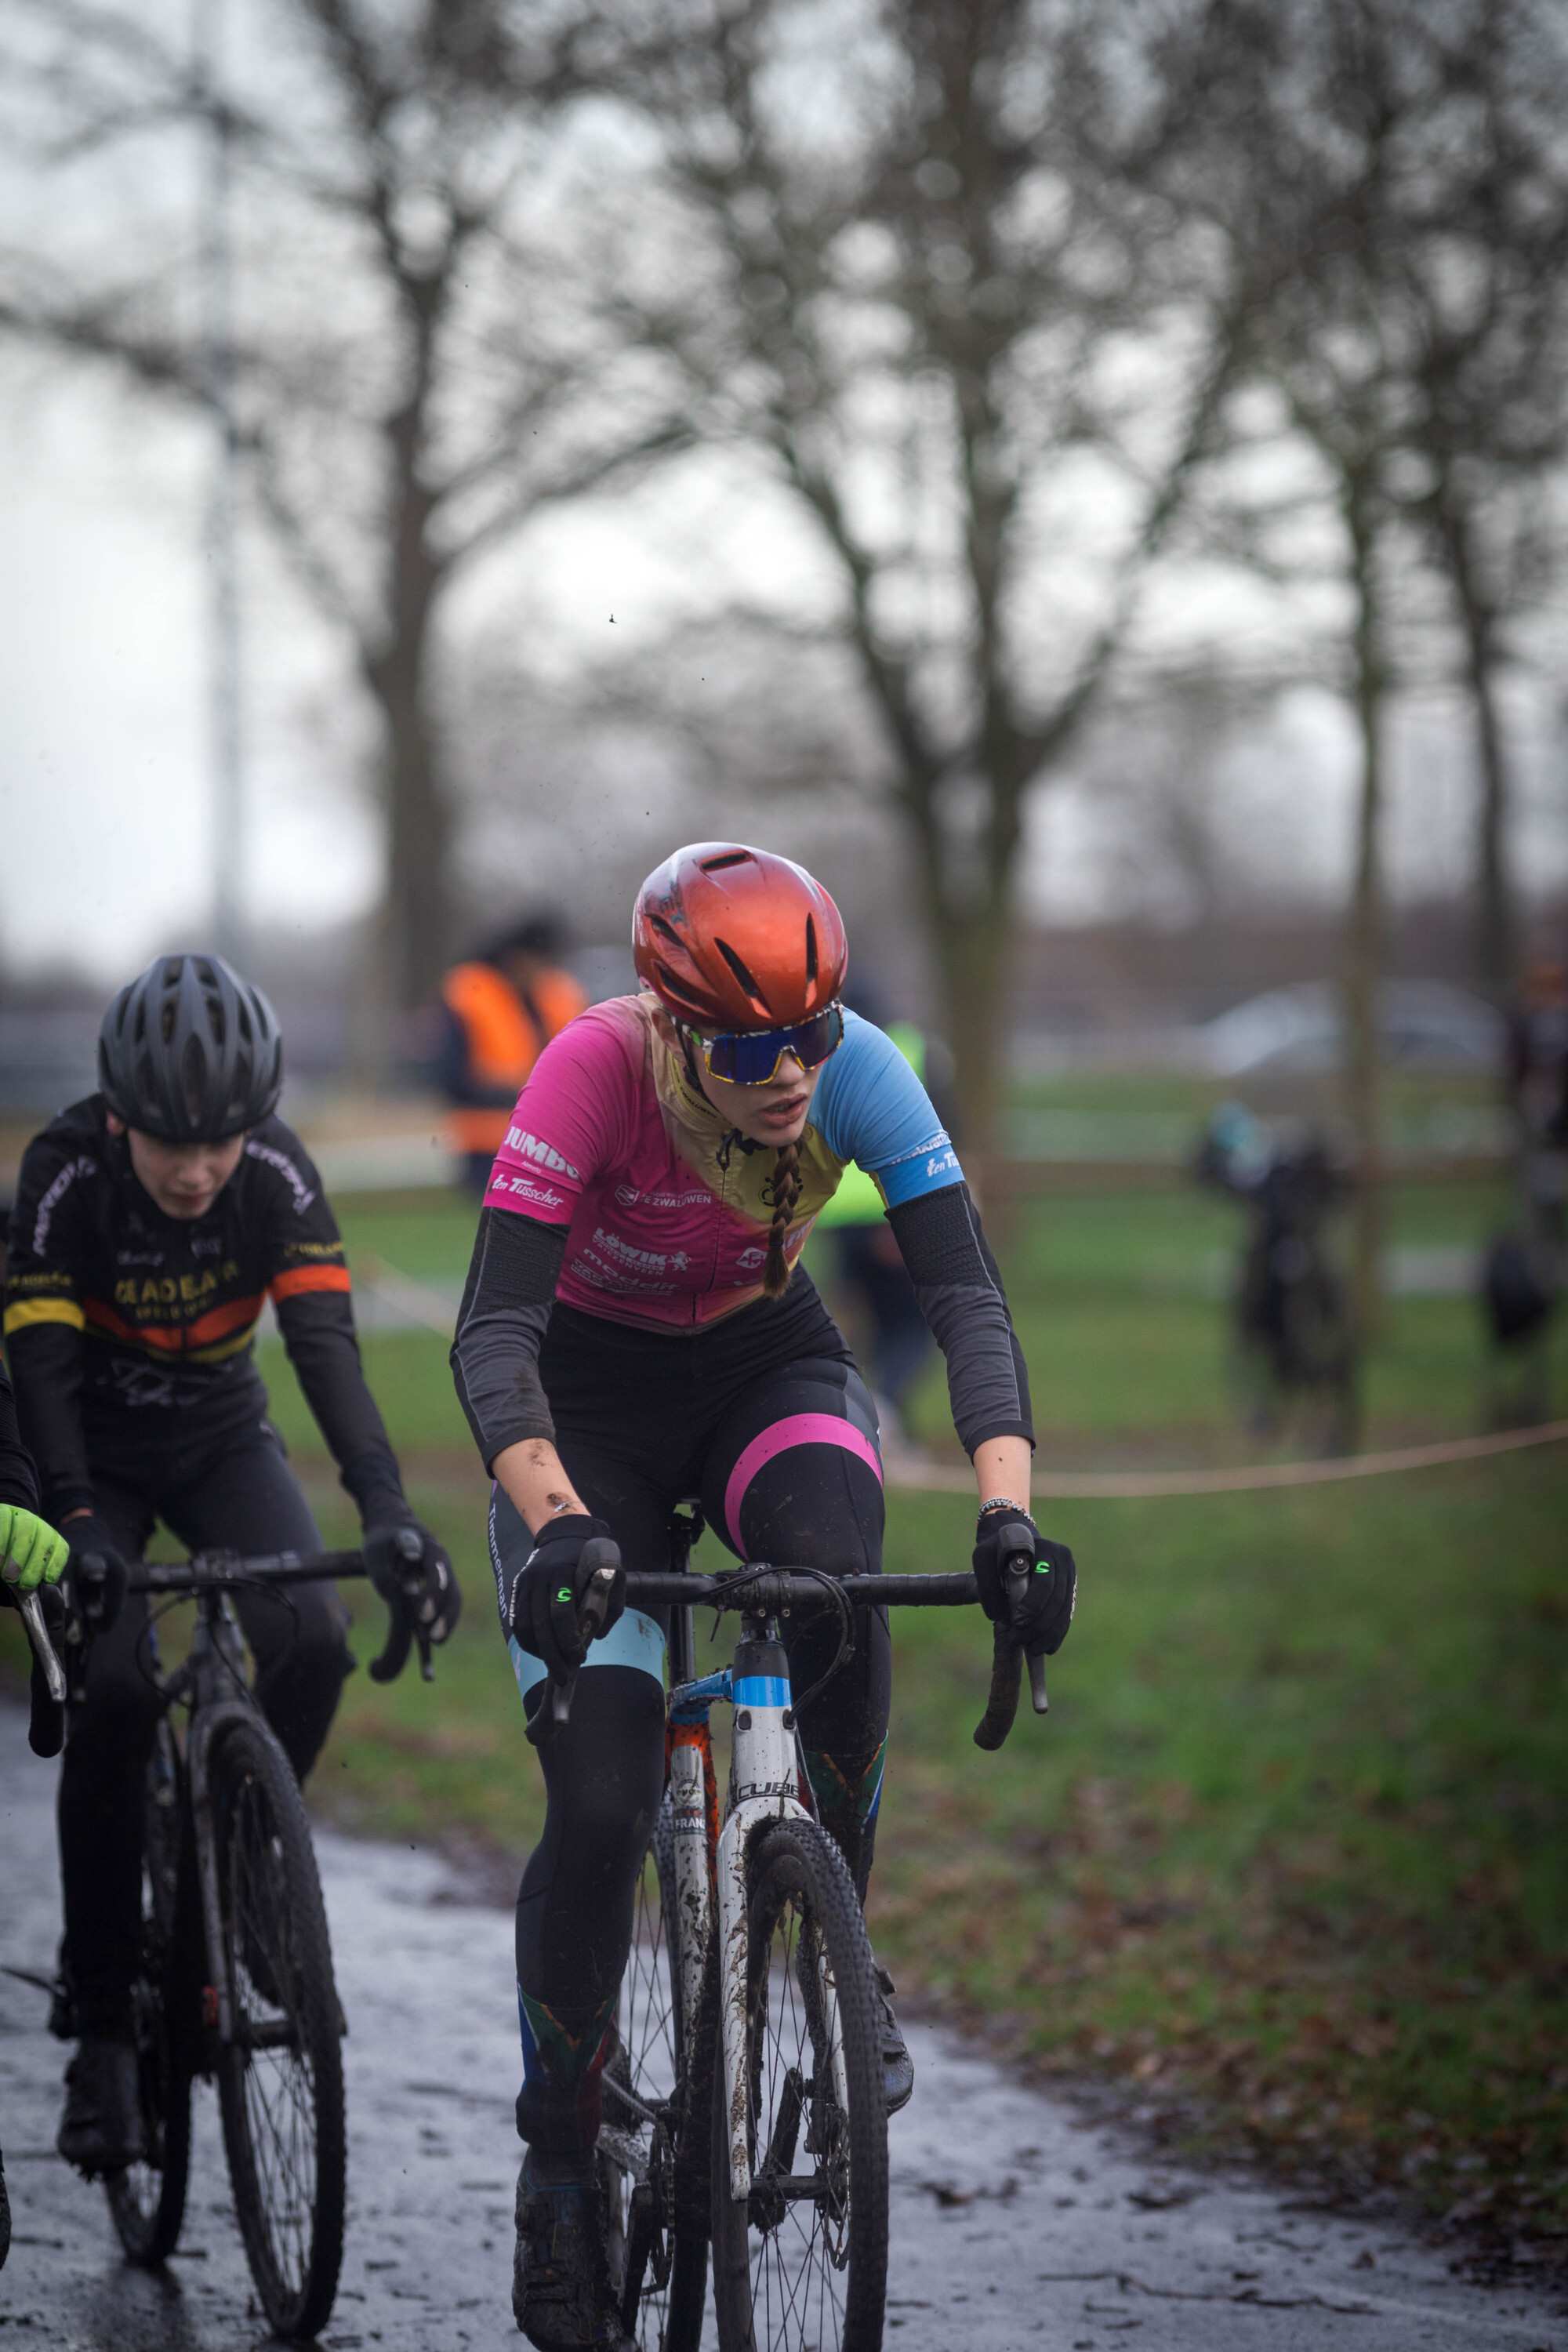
209, 1571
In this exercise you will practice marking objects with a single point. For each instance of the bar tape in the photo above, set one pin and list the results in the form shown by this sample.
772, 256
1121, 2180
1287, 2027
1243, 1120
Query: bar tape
1115, 1486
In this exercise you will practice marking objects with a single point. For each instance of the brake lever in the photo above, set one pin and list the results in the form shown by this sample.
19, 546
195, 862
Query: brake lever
54, 1673
399, 1641
556, 1712
404, 1627
46, 1724
1008, 1647
1020, 1568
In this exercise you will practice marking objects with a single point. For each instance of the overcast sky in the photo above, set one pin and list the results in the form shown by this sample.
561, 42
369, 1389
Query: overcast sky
105, 765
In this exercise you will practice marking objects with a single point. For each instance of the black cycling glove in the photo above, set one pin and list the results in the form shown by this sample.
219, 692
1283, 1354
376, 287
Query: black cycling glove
1047, 1602
97, 1573
400, 1553
547, 1597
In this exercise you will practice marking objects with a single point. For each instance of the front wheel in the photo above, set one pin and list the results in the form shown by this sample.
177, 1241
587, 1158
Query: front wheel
660, 2270
280, 2075
147, 2201
804, 2261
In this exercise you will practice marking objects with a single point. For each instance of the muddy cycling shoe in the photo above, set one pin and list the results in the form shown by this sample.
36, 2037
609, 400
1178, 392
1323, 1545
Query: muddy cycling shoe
898, 2067
101, 2128
561, 2292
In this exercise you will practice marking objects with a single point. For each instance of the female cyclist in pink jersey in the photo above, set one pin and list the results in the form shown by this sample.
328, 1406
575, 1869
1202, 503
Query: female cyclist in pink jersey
635, 1331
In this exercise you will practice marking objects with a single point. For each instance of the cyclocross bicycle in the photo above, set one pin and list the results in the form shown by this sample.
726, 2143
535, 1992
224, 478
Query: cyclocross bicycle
744, 2111
236, 1972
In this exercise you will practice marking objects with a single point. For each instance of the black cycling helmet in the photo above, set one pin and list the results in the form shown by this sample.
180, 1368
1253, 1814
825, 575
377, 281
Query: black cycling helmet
190, 1052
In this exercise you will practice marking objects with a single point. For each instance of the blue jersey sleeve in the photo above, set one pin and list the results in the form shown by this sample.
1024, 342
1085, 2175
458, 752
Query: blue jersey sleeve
870, 1108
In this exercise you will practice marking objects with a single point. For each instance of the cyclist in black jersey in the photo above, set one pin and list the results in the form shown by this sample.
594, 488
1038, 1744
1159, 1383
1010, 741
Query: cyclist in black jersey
151, 1222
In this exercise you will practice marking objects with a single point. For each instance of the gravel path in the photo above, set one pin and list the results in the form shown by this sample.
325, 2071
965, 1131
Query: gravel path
1016, 2222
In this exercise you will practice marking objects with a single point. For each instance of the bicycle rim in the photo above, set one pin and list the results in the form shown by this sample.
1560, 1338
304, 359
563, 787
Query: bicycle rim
281, 2081
147, 2201
804, 2267
662, 2304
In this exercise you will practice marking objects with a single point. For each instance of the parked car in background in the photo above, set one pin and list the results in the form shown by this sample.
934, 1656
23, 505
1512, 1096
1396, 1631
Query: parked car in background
1423, 1025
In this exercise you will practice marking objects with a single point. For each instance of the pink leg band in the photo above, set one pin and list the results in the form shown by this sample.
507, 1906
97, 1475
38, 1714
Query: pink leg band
796, 1429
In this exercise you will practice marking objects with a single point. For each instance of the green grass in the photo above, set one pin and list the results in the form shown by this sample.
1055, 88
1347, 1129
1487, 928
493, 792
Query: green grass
1290, 1845
1288, 1852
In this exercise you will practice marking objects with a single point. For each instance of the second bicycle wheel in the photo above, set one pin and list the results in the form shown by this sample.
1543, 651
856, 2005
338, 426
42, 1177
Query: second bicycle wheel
147, 2201
280, 2078
803, 2263
661, 2274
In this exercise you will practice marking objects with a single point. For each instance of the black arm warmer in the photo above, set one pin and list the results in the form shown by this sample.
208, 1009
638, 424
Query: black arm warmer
961, 1296
318, 1330
501, 1325
47, 1361
17, 1484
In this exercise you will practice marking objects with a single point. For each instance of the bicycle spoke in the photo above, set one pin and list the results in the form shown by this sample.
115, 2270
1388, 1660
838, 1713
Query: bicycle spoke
797, 2263
278, 2088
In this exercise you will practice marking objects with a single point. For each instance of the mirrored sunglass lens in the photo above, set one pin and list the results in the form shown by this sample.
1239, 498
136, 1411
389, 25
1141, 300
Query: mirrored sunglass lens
750, 1058
814, 1039
745, 1060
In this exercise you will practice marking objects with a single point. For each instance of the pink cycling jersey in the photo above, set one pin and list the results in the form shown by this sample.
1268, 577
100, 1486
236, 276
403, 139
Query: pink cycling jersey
667, 1210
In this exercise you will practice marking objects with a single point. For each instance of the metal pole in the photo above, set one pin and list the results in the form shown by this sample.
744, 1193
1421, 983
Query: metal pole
227, 746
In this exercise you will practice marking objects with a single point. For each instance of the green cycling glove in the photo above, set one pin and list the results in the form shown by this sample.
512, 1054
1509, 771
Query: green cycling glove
31, 1551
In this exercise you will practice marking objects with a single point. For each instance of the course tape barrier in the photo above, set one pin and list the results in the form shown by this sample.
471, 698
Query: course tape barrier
1120, 1486
417, 1303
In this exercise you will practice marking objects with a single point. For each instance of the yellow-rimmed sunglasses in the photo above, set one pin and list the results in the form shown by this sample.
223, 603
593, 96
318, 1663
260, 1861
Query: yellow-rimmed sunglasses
750, 1058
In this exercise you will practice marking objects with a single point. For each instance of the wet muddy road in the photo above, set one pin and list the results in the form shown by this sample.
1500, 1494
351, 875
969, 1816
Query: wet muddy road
1015, 2224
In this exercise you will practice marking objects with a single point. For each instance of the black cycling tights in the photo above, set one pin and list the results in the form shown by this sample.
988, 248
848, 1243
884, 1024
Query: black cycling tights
245, 1498
788, 1470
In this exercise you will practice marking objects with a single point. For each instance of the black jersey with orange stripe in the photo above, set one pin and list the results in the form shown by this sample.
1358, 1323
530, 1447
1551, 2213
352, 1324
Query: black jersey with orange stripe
126, 1327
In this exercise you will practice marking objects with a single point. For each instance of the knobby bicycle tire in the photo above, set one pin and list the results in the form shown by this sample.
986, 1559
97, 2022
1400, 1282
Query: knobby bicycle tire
147, 2201
280, 2078
661, 2315
799, 2267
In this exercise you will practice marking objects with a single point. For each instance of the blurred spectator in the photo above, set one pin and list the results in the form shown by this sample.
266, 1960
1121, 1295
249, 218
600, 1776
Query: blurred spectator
497, 1015
1537, 1090
1523, 1271
1295, 1342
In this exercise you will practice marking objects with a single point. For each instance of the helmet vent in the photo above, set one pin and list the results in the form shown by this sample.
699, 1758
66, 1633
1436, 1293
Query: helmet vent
752, 986
193, 1079
679, 988
810, 952
730, 857
666, 930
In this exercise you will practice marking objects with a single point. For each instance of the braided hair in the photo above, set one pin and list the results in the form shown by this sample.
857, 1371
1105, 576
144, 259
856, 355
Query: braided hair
776, 1272
786, 1193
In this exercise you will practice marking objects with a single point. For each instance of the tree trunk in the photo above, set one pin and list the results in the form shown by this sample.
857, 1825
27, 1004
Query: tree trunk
1364, 946
420, 828
1496, 943
972, 961
416, 919
966, 874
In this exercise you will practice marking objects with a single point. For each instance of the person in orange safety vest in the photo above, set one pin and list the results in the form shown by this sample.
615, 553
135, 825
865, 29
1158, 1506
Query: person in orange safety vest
499, 1012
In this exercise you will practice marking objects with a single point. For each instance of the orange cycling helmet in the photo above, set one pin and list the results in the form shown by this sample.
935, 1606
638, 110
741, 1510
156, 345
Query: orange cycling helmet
731, 938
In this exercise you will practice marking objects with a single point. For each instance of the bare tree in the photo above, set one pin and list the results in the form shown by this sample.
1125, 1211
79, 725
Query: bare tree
1335, 150
1479, 272
419, 366
920, 292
